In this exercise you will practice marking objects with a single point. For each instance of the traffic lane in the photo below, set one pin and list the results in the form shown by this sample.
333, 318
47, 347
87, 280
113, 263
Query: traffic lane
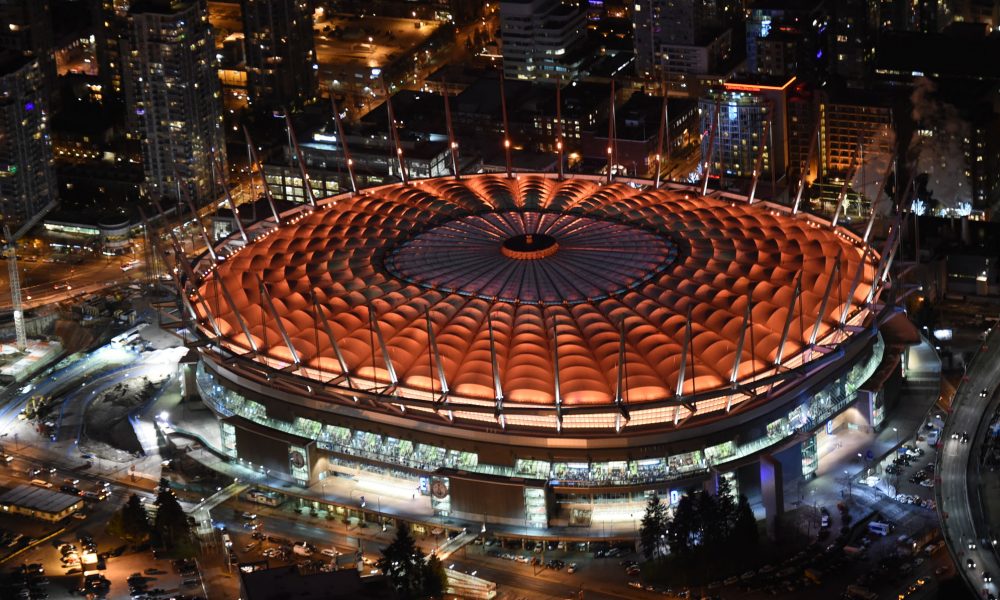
954, 501
38, 280
515, 575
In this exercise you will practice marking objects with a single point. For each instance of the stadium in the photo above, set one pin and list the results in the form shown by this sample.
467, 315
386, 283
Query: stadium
538, 353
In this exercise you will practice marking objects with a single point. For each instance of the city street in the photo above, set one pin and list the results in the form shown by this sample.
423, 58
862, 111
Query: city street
959, 503
44, 283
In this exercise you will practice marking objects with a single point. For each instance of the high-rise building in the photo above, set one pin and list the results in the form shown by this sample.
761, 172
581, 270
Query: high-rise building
986, 12
172, 90
741, 109
280, 53
26, 28
110, 18
679, 37
539, 38
782, 36
27, 173
854, 27
852, 124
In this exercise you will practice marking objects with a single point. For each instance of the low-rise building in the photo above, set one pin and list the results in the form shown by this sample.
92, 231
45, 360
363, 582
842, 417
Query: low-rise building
39, 503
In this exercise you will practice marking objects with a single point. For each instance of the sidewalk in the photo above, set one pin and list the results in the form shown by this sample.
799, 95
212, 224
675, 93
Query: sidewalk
918, 395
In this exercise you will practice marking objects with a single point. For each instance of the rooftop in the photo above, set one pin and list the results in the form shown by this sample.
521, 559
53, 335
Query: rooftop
38, 498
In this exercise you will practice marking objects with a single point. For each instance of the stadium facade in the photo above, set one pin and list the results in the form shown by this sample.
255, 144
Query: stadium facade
535, 352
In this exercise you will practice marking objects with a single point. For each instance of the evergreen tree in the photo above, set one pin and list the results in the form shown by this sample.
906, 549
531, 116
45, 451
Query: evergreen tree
745, 534
711, 529
171, 528
404, 564
725, 501
681, 527
435, 579
134, 520
654, 528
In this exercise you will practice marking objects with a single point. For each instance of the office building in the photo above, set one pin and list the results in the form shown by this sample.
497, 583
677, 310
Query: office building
540, 38
172, 92
27, 172
280, 54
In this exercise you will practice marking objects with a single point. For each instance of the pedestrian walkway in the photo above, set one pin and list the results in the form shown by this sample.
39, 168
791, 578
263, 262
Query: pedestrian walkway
455, 544
202, 512
840, 469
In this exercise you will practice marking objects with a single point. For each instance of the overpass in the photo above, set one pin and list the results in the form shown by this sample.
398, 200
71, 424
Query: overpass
957, 490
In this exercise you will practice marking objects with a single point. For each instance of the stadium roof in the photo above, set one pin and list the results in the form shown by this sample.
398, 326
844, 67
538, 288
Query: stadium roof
624, 296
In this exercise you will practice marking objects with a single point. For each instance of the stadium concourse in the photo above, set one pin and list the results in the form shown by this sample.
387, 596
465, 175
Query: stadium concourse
538, 352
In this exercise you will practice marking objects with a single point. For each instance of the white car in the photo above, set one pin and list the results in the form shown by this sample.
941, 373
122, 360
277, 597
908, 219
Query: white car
329, 552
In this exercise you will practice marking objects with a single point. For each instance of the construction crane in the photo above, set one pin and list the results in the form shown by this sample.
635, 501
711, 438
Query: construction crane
10, 249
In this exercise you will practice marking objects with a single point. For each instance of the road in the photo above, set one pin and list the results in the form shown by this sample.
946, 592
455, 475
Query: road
957, 492
48, 283
515, 578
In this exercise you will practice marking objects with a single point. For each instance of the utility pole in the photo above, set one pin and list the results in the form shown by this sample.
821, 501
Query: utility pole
15, 290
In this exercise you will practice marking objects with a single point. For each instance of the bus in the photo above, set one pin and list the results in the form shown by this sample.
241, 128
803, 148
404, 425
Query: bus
266, 497
879, 528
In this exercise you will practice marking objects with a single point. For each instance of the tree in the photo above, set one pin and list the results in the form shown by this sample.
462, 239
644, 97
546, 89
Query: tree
171, 528
404, 564
725, 501
131, 523
745, 535
679, 531
654, 528
711, 530
435, 579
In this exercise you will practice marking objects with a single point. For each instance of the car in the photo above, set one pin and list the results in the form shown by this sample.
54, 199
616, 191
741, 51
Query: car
970, 563
633, 570
984, 393
329, 552
964, 437
79, 515
941, 570
572, 568
987, 577
972, 544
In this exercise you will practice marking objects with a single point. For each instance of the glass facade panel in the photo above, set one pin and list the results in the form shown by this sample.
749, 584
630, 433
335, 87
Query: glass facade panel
391, 452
